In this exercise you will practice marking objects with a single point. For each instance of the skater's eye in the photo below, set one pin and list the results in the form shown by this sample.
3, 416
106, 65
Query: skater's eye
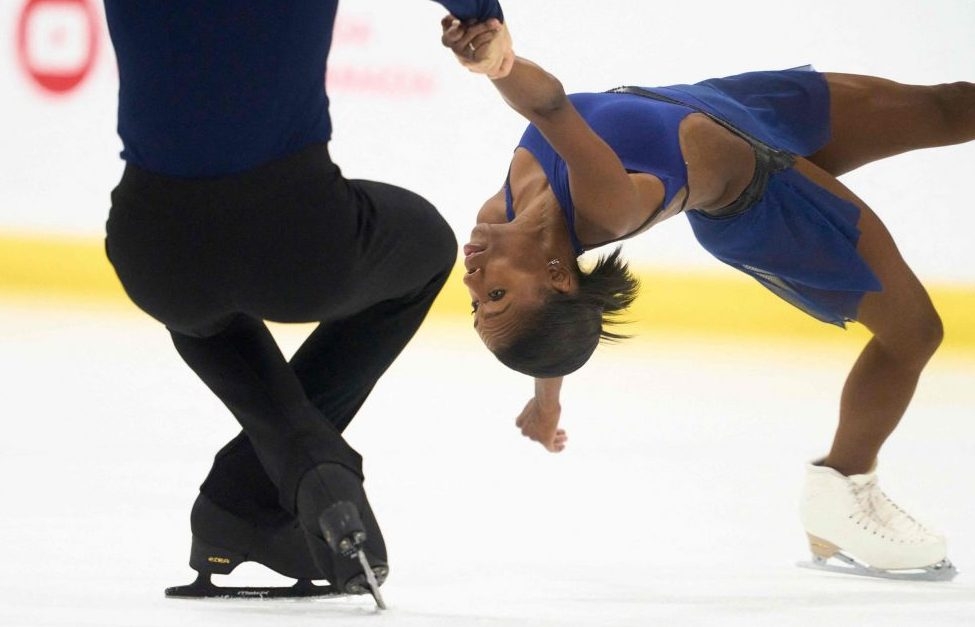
497, 294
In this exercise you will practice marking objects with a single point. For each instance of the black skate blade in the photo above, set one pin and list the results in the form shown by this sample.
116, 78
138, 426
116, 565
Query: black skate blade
203, 588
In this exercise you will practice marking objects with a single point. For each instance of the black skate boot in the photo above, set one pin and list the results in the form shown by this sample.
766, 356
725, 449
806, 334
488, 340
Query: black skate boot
334, 510
223, 540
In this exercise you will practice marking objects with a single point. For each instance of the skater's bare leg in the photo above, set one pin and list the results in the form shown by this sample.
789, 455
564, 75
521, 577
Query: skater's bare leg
906, 332
872, 118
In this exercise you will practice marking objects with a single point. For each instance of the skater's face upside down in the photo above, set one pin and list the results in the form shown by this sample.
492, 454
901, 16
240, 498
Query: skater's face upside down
505, 282
526, 305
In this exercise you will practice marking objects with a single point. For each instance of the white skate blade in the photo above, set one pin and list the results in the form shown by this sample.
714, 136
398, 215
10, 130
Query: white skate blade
941, 571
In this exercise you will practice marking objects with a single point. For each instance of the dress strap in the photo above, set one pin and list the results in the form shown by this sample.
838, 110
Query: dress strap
509, 203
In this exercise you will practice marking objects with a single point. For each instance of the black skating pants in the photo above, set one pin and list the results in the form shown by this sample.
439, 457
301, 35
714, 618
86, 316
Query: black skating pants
292, 241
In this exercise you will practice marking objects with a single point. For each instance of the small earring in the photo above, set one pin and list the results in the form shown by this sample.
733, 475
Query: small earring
553, 263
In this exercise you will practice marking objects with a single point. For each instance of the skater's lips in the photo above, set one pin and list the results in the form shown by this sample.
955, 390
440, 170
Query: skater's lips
471, 253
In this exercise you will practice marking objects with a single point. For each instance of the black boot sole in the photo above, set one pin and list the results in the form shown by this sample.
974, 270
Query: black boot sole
210, 560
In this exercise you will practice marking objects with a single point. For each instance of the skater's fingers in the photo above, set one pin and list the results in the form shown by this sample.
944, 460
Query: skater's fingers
461, 37
453, 30
483, 38
525, 415
528, 430
474, 30
556, 443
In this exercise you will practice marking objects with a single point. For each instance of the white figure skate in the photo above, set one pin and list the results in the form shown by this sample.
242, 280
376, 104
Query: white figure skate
852, 520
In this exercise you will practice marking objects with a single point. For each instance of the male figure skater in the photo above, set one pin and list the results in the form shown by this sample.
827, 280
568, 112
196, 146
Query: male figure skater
230, 212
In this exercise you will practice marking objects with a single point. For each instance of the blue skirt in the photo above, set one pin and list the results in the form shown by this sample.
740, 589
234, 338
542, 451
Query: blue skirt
798, 239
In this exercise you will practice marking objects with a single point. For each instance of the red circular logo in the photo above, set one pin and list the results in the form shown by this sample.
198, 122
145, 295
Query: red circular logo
57, 41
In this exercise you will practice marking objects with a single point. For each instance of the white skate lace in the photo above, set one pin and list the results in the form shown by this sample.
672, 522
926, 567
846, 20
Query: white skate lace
879, 514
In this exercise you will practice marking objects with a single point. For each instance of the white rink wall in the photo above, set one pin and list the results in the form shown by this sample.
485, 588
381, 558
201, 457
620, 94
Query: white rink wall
405, 113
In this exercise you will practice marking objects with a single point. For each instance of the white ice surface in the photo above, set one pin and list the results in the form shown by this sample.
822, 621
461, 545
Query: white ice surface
674, 503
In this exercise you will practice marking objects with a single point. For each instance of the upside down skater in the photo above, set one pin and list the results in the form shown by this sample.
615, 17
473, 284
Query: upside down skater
751, 161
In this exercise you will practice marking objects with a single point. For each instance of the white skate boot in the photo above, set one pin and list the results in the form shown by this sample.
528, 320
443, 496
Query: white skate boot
852, 520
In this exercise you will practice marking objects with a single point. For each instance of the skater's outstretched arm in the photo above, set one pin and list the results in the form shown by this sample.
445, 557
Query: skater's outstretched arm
603, 194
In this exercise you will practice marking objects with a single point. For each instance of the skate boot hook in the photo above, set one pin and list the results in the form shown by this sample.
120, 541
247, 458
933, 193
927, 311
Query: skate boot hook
345, 534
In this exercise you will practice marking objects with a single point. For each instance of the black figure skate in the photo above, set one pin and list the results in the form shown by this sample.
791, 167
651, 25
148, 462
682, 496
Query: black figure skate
333, 509
222, 541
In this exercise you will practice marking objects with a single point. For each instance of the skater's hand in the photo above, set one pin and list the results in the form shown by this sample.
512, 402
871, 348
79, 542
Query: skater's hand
481, 47
541, 424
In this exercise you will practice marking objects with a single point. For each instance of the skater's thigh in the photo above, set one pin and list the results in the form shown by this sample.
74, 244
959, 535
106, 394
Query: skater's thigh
901, 315
872, 118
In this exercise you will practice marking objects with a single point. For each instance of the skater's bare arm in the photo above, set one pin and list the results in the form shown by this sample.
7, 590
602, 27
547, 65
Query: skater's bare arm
602, 191
539, 420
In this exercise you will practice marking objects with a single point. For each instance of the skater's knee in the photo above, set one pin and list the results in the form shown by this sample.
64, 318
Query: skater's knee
441, 241
917, 338
426, 225
930, 333
446, 250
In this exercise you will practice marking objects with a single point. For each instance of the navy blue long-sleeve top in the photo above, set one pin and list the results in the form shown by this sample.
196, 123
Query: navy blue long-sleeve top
218, 87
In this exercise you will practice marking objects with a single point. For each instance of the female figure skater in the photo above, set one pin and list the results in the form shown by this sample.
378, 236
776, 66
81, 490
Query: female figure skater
752, 161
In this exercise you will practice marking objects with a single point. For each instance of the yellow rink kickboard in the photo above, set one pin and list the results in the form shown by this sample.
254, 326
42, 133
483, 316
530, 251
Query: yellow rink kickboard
717, 301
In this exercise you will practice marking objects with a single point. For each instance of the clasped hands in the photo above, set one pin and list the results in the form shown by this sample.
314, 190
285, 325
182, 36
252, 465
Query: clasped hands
481, 47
